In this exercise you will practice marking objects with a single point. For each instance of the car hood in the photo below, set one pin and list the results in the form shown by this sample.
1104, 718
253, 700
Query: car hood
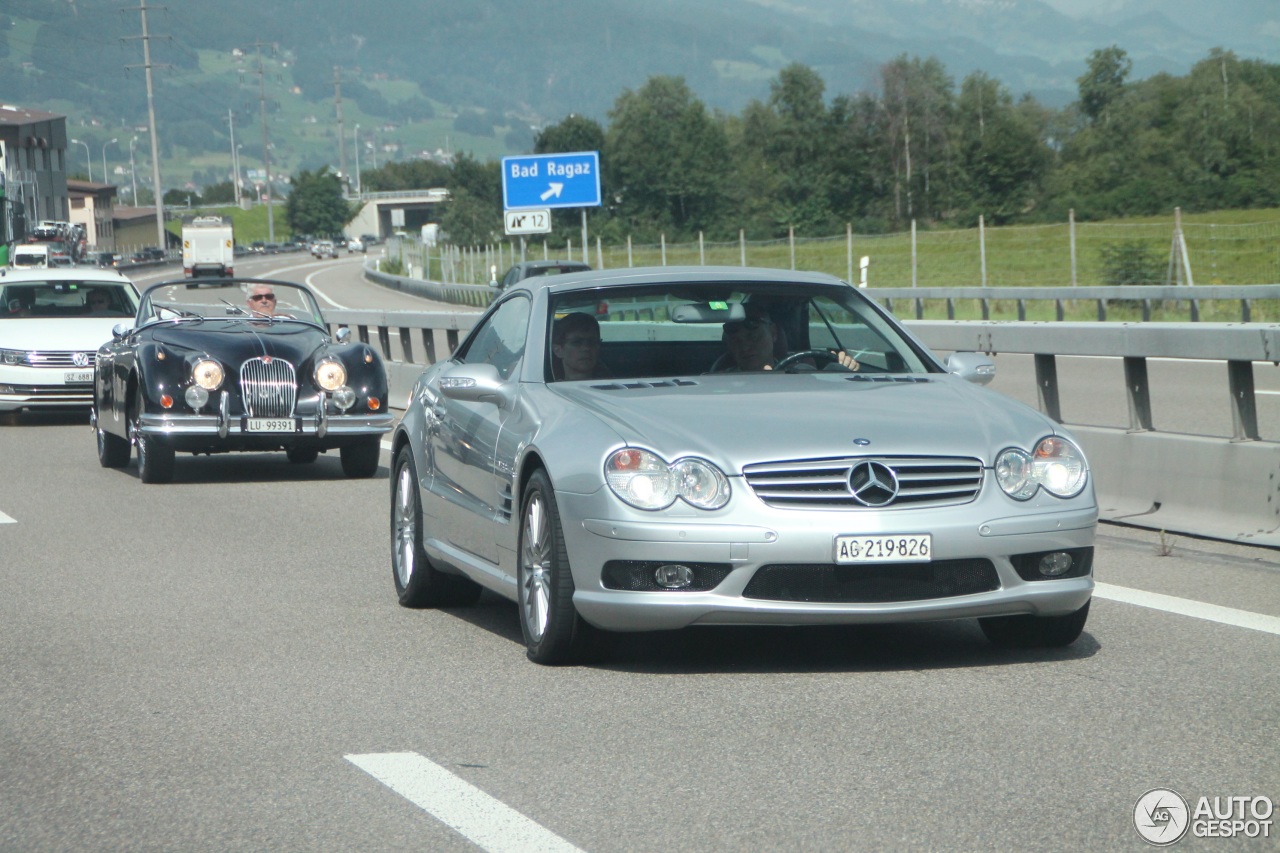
737, 421
57, 333
238, 341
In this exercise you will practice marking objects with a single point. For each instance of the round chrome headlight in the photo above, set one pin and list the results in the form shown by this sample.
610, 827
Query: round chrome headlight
645, 480
640, 479
330, 374
700, 483
1056, 465
1059, 467
208, 374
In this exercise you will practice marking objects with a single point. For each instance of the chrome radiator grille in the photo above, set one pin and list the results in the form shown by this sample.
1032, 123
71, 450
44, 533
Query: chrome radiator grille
57, 359
824, 483
269, 387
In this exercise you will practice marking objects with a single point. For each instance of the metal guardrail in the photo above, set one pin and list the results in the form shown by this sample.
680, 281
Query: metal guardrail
1144, 295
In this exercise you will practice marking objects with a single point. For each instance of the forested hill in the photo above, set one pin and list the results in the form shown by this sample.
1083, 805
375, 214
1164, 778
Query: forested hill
541, 61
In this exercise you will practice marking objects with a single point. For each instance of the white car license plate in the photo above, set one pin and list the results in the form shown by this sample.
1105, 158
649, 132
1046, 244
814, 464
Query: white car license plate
902, 548
269, 425
75, 377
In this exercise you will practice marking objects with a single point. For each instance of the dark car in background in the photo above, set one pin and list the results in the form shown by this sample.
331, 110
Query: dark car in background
529, 269
244, 365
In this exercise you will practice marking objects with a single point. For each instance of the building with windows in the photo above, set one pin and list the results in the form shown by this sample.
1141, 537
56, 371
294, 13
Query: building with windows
33, 163
93, 206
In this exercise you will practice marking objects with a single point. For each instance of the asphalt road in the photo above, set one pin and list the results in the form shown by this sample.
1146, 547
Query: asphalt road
190, 667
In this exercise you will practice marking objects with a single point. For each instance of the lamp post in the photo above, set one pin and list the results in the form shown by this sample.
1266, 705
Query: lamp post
106, 176
357, 159
235, 165
88, 158
133, 173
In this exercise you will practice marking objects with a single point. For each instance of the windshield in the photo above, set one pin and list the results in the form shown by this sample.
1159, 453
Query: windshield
67, 298
244, 298
690, 329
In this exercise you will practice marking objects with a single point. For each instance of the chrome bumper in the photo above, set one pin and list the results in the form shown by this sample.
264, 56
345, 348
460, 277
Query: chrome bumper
222, 426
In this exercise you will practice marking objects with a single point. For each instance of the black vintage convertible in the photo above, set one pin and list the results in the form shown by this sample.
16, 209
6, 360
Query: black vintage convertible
243, 365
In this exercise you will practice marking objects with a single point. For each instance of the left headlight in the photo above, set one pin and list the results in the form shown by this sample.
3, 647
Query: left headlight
1056, 465
208, 374
330, 374
646, 481
13, 356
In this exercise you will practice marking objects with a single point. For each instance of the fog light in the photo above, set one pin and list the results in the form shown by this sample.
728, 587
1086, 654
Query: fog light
196, 396
673, 576
1055, 563
344, 398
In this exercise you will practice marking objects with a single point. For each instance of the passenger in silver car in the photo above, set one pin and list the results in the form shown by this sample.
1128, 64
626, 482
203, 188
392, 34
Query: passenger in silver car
575, 348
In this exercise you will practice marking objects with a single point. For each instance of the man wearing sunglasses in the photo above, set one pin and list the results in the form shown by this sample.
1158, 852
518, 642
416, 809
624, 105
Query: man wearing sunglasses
262, 300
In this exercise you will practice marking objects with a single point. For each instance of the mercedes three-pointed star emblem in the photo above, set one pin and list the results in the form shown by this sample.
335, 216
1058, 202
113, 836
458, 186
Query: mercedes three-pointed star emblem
873, 483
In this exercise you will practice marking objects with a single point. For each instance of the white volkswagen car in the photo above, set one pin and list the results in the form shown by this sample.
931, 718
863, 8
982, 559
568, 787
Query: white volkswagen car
52, 321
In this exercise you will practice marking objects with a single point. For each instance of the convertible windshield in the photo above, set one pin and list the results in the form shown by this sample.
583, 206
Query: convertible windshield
244, 299
67, 298
682, 329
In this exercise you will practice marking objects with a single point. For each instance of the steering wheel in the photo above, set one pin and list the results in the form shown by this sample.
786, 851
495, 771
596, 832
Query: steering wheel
824, 357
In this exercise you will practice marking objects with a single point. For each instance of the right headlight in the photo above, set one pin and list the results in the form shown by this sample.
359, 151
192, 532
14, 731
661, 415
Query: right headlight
646, 481
1055, 464
330, 374
207, 373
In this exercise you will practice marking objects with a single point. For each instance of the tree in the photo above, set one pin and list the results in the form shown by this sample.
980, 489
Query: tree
917, 98
572, 133
665, 158
793, 135
1102, 84
316, 206
1000, 158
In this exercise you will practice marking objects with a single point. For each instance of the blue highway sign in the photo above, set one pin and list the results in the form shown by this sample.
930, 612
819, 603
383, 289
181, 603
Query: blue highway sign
551, 180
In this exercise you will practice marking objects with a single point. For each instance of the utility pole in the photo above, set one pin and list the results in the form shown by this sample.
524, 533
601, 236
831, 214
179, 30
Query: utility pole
342, 133
151, 118
235, 158
266, 144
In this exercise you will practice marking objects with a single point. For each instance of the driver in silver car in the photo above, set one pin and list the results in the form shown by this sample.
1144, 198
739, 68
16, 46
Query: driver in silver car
756, 343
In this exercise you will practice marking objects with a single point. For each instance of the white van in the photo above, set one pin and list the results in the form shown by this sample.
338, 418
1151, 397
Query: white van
30, 256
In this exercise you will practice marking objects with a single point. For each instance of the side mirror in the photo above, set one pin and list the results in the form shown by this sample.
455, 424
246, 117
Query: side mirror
120, 331
342, 335
971, 367
476, 383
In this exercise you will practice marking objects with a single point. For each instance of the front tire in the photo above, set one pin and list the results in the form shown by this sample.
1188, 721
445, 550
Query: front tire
155, 458
553, 631
113, 451
360, 460
418, 583
1031, 632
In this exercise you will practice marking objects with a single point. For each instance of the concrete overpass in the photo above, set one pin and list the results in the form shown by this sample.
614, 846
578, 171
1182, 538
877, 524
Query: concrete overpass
384, 213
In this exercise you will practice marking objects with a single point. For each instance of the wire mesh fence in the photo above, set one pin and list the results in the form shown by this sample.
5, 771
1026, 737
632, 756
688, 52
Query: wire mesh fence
1055, 255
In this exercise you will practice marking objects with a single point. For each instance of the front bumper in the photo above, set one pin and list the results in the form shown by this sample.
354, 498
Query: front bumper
183, 430
44, 388
805, 538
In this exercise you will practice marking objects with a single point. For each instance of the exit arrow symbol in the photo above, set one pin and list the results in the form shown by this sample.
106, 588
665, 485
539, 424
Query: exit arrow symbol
554, 191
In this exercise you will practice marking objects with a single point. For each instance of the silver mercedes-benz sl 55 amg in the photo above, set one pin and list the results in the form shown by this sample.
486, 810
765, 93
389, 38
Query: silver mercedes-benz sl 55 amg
650, 449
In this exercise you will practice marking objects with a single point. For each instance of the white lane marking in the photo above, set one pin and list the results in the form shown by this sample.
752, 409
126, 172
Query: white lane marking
310, 280
4, 519
459, 805
1187, 607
